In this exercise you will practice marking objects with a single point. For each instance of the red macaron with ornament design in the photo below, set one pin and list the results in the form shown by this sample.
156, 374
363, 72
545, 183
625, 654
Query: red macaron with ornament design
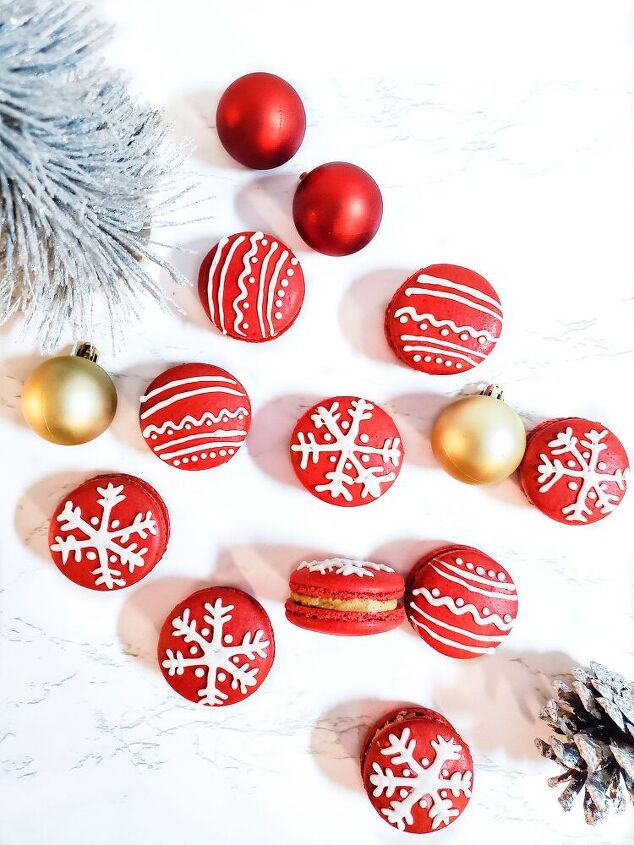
574, 470
444, 319
346, 451
109, 532
346, 597
251, 286
195, 416
460, 601
216, 647
417, 770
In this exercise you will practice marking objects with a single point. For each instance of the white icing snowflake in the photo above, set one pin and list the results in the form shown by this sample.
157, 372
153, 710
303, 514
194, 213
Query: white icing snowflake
420, 780
102, 538
341, 566
584, 466
344, 438
214, 657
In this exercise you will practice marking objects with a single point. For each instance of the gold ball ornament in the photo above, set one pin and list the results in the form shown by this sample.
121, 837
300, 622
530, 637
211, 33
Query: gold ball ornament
479, 439
69, 400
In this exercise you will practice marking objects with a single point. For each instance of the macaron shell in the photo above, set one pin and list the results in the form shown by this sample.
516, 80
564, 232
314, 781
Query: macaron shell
329, 468
243, 639
343, 623
574, 470
461, 601
88, 542
195, 416
444, 319
251, 286
433, 764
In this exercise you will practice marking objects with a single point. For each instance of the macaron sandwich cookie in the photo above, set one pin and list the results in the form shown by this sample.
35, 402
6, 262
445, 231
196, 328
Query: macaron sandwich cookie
416, 769
461, 601
109, 532
345, 597
574, 470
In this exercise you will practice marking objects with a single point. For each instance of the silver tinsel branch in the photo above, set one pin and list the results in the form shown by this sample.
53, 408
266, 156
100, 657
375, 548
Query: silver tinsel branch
85, 173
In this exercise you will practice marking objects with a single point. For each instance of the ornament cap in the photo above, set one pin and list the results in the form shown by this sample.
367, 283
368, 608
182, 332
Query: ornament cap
494, 391
84, 349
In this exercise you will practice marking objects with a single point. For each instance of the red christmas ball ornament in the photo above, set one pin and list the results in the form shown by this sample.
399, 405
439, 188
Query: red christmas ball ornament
261, 120
337, 208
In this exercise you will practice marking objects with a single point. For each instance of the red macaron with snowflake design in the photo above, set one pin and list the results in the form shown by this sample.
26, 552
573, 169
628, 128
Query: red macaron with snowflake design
109, 532
444, 319
417, 770
216, 647
460, 601
195, 416
251, 286
346, 451
574, 470
346, 597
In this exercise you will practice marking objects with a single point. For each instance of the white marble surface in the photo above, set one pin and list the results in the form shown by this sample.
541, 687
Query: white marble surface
501, 135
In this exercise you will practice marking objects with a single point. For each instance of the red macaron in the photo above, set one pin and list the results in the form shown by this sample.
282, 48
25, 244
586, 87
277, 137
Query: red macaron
417, 770
574, 470
345, 597
461, 601
216, 647
109, 532
346, 451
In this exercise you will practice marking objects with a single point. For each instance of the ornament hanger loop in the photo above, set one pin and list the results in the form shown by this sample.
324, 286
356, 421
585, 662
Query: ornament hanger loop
494, 391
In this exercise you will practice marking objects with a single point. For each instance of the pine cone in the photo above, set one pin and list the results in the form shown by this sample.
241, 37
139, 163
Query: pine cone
593, 718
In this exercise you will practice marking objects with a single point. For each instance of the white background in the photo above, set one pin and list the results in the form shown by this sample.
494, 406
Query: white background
501, 136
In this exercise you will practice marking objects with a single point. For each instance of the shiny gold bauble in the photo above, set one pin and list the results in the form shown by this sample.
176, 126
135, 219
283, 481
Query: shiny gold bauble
479, 439
70, 399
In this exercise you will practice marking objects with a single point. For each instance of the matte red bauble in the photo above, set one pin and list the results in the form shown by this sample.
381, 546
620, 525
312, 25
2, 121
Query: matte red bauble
261, 120
337, 208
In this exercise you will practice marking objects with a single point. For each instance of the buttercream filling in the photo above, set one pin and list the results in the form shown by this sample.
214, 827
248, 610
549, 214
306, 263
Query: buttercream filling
359, 605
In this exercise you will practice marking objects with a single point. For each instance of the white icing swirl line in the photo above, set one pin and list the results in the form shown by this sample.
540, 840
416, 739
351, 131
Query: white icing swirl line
470, 587
471, 609
208, 416
185, 395
271, 291
410, 311
485, 638
223, 275
444, 343
480, 579
246, 271
477, 294
436, 350
180, 381
261, 283
454, 297
238, 433
472, 648
169, 455
210, 288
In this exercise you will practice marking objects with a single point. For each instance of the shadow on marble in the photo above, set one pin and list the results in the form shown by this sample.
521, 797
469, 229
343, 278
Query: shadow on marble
187, 258
269, 438
131, 384
194, 117
337, 738
263, 570
265, 204
498, 699
402, 553
143, 614
13, 374
362, 312
35, 508
414, 414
